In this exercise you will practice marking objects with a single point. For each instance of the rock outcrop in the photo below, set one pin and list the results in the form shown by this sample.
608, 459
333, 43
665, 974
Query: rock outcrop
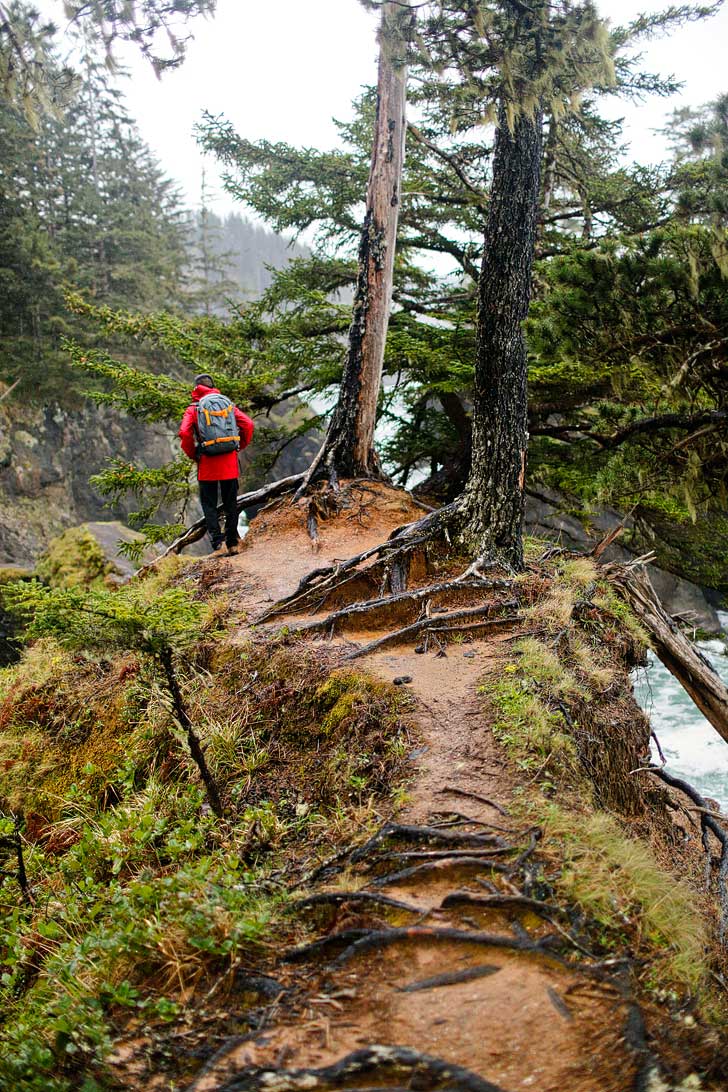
48, 454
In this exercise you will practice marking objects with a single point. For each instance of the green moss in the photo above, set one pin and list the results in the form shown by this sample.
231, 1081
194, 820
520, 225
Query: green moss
74, 559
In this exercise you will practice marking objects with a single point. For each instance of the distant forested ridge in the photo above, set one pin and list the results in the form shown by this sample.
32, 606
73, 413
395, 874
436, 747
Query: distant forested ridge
86, 208
234, 257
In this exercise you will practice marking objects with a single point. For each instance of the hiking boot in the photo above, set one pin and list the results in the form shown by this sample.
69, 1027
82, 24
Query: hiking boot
232, 550
218, 551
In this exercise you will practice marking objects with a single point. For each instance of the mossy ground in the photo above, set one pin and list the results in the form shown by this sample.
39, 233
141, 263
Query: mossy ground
142, 901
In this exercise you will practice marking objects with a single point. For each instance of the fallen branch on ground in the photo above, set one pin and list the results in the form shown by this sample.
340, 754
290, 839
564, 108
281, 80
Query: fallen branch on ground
245, 500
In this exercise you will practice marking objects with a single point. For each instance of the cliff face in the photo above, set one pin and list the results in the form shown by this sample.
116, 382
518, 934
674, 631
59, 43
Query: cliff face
47, 456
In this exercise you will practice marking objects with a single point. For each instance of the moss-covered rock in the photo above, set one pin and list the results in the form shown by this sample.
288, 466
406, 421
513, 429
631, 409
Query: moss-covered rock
87, 556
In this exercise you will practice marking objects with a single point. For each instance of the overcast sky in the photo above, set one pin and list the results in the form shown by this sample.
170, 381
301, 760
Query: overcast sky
281, 70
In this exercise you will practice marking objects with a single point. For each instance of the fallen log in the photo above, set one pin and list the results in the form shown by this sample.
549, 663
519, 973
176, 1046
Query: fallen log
679, 655
245, 500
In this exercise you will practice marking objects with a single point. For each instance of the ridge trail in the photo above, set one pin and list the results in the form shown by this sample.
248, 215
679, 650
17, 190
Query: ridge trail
509, 1010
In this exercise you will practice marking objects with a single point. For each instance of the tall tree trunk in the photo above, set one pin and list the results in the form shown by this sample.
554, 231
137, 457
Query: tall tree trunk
493, 501
348, 448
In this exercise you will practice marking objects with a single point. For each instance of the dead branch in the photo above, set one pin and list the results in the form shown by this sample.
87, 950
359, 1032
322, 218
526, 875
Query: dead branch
245, 500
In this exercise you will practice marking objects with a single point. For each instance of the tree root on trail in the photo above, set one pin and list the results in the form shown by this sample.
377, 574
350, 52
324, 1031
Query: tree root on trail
407, 832
452, 790
385, 602
451, 978
392, 558
430, 625
376, 939
504, 902
441, 854
445, 863
380, 1062
338, 898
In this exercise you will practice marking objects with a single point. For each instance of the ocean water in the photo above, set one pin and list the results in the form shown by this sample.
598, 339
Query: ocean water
690, 744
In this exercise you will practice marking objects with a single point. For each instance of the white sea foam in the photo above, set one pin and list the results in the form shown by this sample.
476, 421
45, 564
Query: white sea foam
691, 745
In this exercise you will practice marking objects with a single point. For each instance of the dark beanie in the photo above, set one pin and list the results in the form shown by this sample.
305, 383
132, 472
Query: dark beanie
204, 379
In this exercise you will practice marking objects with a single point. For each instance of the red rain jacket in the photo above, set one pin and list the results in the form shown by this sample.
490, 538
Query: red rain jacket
212, 468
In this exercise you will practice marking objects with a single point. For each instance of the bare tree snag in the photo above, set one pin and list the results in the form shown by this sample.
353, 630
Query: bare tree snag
348, 448
493, 501
678, 654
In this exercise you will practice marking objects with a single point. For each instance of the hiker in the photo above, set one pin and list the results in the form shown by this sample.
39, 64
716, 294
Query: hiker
212, 432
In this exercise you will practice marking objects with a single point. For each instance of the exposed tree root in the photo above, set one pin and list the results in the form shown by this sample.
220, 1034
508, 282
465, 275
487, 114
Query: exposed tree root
440, 854
381, 1062
392, 554
445, 863
501, 902
376, 939
451, 978
473, 796
338, 898
407, 832
386, 602
707, 823
432, 625
317, 947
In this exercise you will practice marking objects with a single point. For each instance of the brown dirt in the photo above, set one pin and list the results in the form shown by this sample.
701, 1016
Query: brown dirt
530, 1024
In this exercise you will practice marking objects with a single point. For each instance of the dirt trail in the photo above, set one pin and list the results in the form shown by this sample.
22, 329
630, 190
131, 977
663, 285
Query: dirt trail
520, 1019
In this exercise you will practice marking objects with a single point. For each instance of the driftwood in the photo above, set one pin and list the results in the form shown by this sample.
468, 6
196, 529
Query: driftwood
677, 652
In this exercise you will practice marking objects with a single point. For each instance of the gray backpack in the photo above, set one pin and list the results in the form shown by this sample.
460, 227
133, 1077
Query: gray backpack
216, 428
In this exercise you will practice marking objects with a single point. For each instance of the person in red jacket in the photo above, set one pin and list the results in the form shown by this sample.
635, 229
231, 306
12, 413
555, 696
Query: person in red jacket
215, 473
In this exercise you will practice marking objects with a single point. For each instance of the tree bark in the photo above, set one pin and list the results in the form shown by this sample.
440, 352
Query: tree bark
348, 449
493, 500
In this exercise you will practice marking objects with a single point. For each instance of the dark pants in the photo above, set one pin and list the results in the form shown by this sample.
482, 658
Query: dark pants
208, 500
